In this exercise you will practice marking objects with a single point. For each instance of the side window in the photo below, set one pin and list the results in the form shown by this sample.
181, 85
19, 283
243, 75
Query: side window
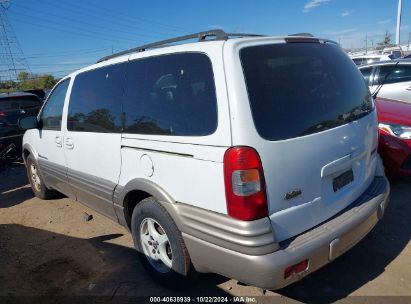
358, 61
366, 73
95, 100
399, 73
372, 60
170, 95
53, 110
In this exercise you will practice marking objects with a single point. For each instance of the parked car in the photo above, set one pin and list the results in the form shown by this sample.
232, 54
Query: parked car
39, 92
394, 52
46, 93
14, 106
370, 58
249, 156
395, 136
397, 85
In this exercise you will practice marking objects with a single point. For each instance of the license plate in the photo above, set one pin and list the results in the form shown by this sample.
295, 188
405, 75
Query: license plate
343, 180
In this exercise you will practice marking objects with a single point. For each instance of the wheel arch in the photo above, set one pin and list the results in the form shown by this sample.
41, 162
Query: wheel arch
137, 190
28, 150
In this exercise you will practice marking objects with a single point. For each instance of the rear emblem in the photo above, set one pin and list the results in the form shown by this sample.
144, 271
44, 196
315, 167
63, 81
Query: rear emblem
292, 194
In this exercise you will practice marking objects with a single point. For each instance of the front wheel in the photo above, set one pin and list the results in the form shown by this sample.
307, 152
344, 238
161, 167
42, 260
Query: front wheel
159, 243
37, 184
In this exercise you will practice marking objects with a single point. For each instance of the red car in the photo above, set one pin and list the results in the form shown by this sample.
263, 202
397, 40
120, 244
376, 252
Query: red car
395, 136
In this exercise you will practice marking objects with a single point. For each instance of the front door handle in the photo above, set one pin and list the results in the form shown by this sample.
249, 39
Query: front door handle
69, 143
57, 140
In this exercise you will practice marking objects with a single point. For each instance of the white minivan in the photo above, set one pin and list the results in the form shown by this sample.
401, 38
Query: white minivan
249, 156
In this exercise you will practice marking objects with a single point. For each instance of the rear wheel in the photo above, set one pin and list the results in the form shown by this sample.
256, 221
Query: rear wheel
159, 243
37, 184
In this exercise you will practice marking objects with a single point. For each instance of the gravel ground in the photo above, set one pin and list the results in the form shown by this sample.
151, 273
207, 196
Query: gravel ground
48, 249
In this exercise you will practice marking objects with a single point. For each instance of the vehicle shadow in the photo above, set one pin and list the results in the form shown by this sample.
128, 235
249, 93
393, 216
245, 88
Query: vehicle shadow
14, 186
36, 262
13, 177
366, 261
16, 196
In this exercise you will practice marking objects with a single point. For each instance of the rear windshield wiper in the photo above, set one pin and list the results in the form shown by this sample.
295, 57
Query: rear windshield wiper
322, 126
354, 114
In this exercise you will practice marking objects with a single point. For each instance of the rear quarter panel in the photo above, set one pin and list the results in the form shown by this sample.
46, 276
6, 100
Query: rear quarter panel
188, 168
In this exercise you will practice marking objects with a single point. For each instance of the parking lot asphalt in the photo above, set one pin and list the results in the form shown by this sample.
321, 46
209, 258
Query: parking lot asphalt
48, 248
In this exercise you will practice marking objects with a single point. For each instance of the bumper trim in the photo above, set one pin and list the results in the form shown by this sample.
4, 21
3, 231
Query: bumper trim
247, 237
317, 244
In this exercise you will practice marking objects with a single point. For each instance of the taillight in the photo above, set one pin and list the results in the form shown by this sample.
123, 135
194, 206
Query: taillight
2, 114
244, 184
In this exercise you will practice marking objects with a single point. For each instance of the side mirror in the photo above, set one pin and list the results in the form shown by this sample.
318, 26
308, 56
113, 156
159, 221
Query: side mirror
29, 122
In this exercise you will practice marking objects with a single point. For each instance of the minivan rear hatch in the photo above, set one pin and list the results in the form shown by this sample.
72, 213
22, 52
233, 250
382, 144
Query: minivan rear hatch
316, 126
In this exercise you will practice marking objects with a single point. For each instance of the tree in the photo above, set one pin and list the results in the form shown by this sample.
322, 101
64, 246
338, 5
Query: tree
23, 76
26, 81
386, 42
46, 81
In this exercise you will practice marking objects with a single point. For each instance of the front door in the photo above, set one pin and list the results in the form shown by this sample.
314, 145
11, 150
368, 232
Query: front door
49, 141
93, 135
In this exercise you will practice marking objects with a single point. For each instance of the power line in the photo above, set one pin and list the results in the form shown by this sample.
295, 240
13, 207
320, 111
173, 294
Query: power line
88, 24
79, 52
66, 29
114, 20
71, 51
61, 64
99, 35
177, 29
65, 54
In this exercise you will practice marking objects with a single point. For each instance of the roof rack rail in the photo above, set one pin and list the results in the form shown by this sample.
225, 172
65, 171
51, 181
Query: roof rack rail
302, 34
218, 34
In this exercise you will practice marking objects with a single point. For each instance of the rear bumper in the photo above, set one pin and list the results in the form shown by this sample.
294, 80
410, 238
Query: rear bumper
319, 245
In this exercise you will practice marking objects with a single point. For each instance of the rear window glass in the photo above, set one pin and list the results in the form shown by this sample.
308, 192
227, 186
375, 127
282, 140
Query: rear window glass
298, 89
17, 103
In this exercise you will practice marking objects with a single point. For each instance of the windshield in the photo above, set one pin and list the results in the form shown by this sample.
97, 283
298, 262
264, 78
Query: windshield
297, 89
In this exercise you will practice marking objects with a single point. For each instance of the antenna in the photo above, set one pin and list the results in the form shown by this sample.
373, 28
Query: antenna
12, 59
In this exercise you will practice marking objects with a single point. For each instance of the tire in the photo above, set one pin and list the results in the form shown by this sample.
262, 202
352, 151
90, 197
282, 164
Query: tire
37, 184
166, 259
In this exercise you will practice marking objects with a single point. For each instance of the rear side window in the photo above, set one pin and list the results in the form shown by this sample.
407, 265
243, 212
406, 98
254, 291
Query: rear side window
17, 103
366, 73
53, 109
29, 103
399, 73
358, 61
297, 89
95, 101
171, 95
372, 60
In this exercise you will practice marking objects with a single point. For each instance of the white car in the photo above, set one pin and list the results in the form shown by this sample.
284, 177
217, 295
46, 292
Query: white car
249, 156
395, 76
370, 58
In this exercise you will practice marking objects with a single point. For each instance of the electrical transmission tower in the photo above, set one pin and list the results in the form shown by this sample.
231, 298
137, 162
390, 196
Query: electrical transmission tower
12, 59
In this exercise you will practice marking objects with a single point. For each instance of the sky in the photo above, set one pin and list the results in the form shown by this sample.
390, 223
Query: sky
58, 37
